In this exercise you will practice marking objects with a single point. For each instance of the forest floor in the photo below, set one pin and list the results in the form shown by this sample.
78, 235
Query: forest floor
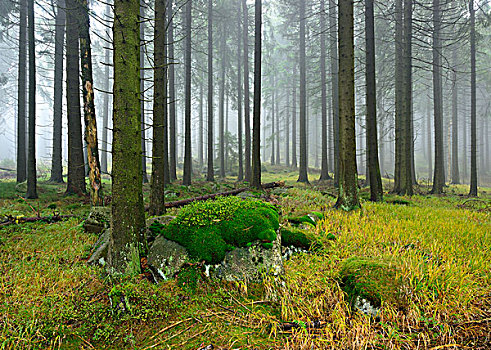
441, 245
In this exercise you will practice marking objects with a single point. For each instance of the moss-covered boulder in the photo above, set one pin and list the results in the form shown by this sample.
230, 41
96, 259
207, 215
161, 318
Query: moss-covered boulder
373, 280
210, 229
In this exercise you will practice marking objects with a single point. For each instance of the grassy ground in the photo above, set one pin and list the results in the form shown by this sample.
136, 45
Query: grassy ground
50, 298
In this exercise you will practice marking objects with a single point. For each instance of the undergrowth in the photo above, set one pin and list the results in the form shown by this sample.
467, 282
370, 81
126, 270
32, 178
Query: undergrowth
50, 298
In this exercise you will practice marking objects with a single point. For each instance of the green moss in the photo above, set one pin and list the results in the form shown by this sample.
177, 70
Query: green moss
294, 237
301, 220
372, 279
211, 228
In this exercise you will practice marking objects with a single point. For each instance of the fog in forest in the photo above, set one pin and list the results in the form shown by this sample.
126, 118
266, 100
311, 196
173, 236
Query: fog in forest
441, 70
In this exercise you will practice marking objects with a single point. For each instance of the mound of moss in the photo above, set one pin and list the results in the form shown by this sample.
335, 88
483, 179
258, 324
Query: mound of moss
372, 279
210, 228
293, 236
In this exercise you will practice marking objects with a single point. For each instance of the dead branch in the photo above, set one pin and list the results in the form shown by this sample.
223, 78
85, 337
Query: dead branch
226, 193
20, 219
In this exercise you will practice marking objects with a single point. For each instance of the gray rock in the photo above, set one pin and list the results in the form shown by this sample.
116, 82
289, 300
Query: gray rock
364, 306
100, 249
247, 194
99, 220
164, 220
166, 258
250, 263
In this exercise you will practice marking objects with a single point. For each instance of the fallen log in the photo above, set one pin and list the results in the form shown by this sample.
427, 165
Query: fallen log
10, 220
183, 202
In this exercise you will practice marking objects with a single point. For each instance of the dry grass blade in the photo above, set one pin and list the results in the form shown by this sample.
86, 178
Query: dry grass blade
171, 326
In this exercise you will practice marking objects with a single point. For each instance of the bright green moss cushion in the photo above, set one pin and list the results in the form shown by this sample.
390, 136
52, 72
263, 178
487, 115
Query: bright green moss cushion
209, 229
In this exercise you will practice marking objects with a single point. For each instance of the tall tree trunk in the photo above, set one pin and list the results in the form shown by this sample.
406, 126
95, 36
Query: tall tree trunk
287, 129
31, 155
105, 111
324, 161
273, 160
210, 172
247, 108
76, 171
240, 176
277, 114
428, 134
399, 167
256, 132
186, 178
21, 94
56, 161
294, 122
93, 162
302, 175
373, 175
408, 142
201, 126
127, 244
159, 106
221, 112
473, 185
439, 174
142, 90
348, 184
172, 95
455, 122
333, 49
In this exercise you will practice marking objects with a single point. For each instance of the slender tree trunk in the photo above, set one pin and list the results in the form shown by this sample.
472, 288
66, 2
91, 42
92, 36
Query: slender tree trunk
222, 105
373, 175
247, 108
277, 114
159, 106
97, 198
333, 49
399, 167
186, 179
76, 171
256, 132
408, 140
201, 126
324, 160
31, 155
210, 172
127, 244
273, 160
56, 161
105, 112
455, 122
473, 185
464, 136
240, 176
294, 122
172, 95
287, 129
439, 175
142, 89
21, 94
428, 131
302, 176
348, 184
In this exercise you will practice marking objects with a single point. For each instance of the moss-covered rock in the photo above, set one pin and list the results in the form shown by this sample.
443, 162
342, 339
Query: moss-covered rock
372, 279
209, 229
295, 237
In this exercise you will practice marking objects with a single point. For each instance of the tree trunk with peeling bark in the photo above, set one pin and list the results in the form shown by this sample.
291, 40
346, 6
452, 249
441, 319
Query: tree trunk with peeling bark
96, 194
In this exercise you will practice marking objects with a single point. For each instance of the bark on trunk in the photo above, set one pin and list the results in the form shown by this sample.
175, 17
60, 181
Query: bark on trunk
96, 194
127, 243
172, 95
473, 185
105, 111
210, 176
186, 178
21, 94
247, 108
221, 112
324, 157
76, 171
302, 175
333, 49
240, 176
256, 133
56, 161
31, 155
373, 175
348, 184
455, 122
